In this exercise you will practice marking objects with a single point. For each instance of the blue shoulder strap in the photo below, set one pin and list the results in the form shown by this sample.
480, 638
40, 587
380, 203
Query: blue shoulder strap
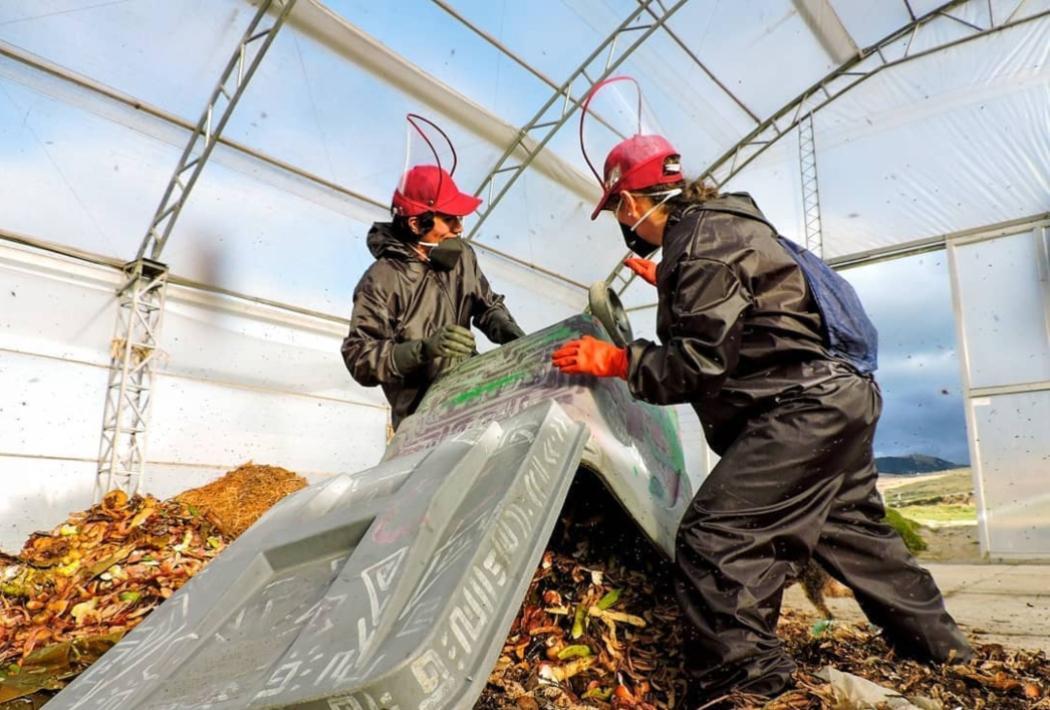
847, 331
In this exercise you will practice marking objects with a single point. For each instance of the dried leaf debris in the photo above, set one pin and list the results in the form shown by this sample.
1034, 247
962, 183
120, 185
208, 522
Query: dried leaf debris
72, 593
600, 626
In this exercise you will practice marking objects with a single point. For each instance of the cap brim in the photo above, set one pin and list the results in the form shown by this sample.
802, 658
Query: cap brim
459, 206
602, 204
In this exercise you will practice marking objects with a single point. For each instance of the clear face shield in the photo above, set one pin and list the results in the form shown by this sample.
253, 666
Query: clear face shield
613, 112
426, 147
426, 186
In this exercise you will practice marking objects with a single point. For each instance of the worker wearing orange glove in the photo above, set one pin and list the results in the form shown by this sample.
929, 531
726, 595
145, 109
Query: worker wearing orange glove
590, 356
775, 354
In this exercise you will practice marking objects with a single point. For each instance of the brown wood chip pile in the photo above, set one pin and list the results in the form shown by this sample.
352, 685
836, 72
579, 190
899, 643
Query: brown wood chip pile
565, 650
239, 498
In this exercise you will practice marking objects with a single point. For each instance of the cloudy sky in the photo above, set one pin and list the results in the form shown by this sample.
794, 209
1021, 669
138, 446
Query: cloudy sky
910, 302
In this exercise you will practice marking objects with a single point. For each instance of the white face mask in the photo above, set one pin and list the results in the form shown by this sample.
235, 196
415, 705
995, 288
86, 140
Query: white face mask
667, 196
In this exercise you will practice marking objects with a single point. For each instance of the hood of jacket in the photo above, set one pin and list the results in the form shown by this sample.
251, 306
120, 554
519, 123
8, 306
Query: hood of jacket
383, 241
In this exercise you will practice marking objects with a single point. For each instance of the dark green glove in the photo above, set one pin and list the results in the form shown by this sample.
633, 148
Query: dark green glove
514, 332
450, 341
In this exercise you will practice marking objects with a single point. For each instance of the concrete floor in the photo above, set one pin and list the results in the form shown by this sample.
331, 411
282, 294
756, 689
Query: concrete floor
994, 603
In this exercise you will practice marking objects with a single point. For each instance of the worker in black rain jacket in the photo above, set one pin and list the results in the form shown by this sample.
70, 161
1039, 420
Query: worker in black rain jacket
743, 340
414, 306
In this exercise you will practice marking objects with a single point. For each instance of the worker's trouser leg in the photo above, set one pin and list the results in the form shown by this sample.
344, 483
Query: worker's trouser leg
896, 594
798, 481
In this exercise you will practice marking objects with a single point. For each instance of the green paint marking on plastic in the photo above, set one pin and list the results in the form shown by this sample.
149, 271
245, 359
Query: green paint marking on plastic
656, 489
475, 392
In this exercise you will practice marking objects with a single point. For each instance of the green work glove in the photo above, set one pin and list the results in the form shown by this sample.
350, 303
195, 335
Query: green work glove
449, 341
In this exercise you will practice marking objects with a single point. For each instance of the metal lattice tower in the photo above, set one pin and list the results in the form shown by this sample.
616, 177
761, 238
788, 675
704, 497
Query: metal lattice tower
807, 161
129, 392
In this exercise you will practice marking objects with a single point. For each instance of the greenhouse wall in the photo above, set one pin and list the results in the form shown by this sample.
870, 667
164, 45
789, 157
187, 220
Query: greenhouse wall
237, 381
1001, 286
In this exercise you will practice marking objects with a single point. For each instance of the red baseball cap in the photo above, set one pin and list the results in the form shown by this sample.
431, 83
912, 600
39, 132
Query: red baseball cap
428, 188
637, 163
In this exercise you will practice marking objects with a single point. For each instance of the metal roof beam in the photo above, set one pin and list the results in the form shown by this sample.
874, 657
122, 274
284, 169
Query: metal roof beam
820, 95
335, 32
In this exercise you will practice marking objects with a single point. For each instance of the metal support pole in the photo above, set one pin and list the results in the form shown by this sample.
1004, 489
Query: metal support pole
129, 391
807, 161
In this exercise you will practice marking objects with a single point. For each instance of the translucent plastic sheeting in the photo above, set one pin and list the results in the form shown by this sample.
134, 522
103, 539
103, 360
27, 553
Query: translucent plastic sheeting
205, 423
775, 181
32, 385
534, 299
247, 237
236, 381
71, 175
920, 149
554, 37
1005, 301
168, 54
763, 52
544, 224
1014, 456
68, 316
455, 54
869, 22
984, 11
309, 106
263, 348
700, 119
241, 234
39, 494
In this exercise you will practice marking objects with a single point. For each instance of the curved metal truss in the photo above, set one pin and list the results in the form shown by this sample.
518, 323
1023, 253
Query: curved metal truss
865, 65
599, 65
129, 391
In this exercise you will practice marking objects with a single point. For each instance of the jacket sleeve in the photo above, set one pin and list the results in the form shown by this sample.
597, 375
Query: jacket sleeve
369, 346
704, 344
490, 314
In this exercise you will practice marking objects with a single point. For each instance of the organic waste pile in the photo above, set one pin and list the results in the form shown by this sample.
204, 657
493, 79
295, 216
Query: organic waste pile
239, 498
74, 592
600, 628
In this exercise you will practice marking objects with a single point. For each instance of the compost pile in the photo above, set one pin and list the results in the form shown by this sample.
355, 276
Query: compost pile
239, 498
74, 592
600, 628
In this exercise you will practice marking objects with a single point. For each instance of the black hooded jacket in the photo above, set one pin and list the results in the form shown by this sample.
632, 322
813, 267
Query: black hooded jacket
737, 324
402, 298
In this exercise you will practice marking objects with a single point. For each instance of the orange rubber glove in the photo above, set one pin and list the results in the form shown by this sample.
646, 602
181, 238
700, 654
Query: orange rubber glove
643, 267
590, 356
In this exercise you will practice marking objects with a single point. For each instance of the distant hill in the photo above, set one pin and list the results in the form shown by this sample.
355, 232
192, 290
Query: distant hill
912, 464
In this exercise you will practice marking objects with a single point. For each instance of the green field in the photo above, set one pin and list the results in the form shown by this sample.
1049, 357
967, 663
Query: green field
947, 513
934, 488
933, 500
